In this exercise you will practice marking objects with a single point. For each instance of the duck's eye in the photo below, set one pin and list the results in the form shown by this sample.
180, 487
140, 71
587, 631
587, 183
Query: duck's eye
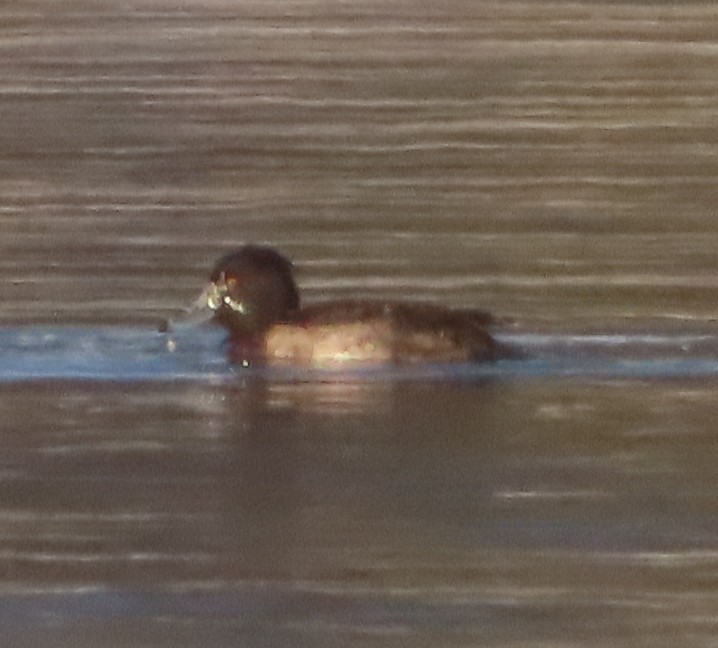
232, 282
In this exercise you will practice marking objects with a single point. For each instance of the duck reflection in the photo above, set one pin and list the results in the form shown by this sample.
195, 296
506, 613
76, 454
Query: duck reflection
311, 470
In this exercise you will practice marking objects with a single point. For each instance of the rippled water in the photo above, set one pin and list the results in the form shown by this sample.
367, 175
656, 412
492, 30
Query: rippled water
497, 509
41, 353
552, 162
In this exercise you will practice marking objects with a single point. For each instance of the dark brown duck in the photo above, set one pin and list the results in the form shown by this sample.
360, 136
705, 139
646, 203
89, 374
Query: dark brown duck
253, 294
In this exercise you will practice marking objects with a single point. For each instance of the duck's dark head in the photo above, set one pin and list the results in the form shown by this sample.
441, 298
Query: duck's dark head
250, 289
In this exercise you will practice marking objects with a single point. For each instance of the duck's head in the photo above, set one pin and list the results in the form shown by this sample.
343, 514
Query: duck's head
249, 290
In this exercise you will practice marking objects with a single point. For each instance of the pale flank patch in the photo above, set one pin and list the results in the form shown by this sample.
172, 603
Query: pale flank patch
326, 345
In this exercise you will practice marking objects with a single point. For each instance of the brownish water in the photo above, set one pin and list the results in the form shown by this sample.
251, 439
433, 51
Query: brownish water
552, 162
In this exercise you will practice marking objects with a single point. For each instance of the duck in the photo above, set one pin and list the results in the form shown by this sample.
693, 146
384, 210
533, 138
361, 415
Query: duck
253, 294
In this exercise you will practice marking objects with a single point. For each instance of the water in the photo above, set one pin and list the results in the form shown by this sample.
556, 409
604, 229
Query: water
551, 162
42, 353
154, 495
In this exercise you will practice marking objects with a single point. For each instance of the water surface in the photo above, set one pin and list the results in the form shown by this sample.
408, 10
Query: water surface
551, 162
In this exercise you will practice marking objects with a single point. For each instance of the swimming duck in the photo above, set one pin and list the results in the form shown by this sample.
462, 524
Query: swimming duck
252, 293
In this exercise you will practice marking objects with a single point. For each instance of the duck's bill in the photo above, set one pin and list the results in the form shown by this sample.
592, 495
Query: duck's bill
199, 312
